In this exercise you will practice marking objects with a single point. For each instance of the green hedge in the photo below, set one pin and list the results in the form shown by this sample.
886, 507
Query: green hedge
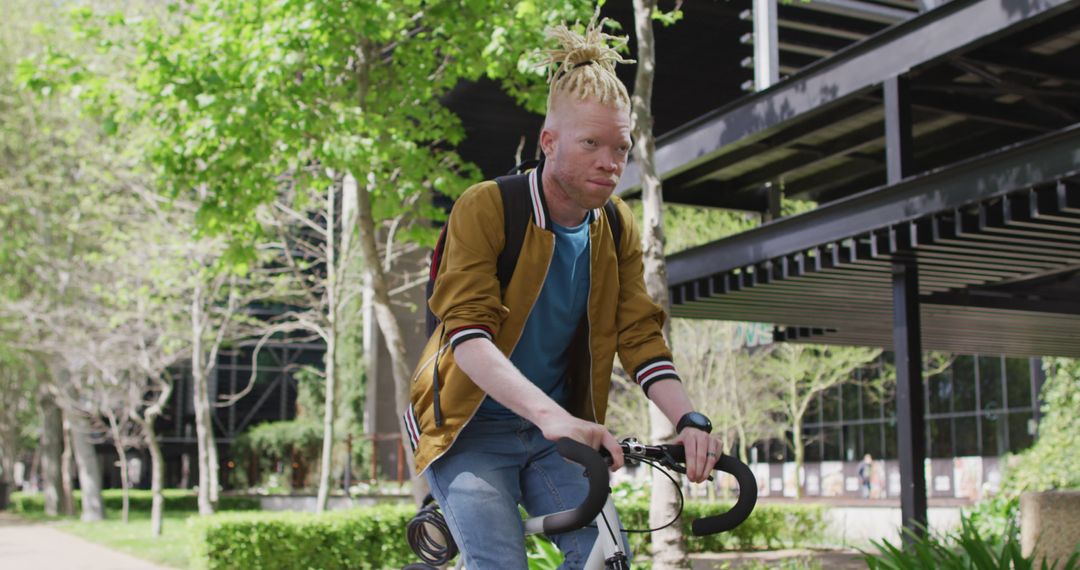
176, 500
370, 537
374, 537
769, 526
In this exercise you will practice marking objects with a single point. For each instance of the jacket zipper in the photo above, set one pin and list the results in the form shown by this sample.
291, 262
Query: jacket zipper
516, 341
588, 336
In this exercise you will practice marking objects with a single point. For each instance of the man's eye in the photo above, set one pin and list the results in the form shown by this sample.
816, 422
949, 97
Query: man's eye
590, 142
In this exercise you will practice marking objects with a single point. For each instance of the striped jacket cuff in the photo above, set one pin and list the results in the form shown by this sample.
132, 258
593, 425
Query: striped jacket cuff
413, 427
460, 335
654, 370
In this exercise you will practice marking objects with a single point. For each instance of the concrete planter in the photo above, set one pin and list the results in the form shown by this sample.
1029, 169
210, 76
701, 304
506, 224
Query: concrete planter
1050, 524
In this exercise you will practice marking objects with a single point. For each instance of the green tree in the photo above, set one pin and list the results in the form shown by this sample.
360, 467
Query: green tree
250, 95
1054, 461
802, 372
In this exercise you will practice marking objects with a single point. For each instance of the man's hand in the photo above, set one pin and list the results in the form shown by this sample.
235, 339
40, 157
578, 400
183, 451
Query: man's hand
702, 452
591, 434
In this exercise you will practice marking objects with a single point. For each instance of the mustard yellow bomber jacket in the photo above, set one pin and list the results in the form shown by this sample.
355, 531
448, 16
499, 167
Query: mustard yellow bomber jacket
468, 302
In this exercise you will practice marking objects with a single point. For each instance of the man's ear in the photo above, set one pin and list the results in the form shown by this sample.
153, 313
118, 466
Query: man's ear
547, 141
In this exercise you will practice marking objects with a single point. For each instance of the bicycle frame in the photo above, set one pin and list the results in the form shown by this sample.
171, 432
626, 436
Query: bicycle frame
610, 543
610, 551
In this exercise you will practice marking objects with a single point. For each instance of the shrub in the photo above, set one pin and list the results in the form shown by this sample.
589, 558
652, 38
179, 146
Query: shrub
374, 537
966, 549
1054, 461
769, 526
995, 516
371, 537
176, 500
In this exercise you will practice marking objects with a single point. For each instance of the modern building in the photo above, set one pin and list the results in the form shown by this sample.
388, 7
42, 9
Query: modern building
978, 410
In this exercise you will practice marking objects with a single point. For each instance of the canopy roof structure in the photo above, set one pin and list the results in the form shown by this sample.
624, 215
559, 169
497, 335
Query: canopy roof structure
983, 202
944, 155
996, 240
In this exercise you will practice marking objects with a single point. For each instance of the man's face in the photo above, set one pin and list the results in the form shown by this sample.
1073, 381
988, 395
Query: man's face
587, 145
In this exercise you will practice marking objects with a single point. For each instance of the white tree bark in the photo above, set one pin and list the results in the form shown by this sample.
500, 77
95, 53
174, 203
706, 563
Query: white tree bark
89, 469
204, 430
388, 325
52, 444
125, 477
157, 462
667, 544
331, 351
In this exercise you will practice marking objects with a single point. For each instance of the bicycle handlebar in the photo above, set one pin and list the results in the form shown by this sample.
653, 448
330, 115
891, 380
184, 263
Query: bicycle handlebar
744, 505
596, 471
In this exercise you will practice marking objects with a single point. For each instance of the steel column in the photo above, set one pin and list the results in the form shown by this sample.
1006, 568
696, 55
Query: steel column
910, 422
907, 337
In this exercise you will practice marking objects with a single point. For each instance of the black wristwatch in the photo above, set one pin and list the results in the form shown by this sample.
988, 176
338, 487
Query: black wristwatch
694, 420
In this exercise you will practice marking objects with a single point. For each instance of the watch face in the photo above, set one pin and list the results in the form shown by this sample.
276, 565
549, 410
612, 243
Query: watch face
695, 420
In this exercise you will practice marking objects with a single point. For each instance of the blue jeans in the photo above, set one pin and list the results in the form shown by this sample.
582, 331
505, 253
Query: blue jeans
493, 467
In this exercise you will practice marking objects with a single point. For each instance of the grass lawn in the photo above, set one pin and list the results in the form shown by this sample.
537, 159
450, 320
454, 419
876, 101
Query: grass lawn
170, 549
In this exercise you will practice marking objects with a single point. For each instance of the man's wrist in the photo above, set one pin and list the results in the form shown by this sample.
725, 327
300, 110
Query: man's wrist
696, 420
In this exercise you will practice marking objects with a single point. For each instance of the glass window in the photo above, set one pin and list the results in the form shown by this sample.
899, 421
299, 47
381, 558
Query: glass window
830, 405
780, 451
853, 444
851, 401
1018, 382
939, 438
993, 435
940, 392
1020, 437
990, 382
812, 439
872, 439
890, 439
830, 437
871, 402
967, 436
963, 380
813, 411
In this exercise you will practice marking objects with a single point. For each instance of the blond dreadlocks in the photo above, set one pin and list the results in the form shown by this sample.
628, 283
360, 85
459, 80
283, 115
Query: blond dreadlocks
584, 66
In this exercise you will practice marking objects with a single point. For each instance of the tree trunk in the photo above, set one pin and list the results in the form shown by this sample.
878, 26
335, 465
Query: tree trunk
157, 476
331, 354
204, 432
388, 325
799, 448
121, 453
668, 550
67, 468
89, 469
52, 444
744, 456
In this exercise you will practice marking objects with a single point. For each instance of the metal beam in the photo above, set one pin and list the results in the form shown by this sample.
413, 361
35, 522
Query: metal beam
861, 10
858, 69
994, 174
766, 42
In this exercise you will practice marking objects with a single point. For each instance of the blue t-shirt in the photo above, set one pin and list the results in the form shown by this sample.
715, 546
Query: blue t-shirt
541, 353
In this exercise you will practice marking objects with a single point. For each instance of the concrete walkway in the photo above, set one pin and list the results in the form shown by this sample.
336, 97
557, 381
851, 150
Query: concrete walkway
825, 559
37, 546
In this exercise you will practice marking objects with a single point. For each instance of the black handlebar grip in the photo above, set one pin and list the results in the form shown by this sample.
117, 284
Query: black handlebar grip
744, 505
596, 471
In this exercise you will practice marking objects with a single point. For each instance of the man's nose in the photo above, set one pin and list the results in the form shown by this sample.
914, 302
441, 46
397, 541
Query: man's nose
609, 162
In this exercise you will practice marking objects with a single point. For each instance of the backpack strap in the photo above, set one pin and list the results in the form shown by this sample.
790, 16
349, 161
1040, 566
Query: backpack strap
517, 209
615, 223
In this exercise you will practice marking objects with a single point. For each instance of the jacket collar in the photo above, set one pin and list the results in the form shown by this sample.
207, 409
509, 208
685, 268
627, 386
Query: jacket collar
541, 215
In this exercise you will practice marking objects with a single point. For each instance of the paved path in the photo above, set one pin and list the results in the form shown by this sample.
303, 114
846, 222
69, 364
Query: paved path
37, 546
829, 560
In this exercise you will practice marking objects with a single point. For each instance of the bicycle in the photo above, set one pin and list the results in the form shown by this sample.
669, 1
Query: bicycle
609, 552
